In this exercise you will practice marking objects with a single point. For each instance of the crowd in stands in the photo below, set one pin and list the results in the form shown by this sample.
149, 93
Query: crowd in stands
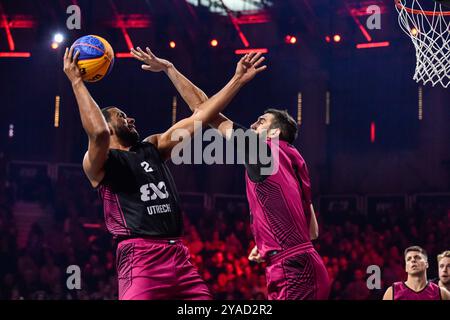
219, 242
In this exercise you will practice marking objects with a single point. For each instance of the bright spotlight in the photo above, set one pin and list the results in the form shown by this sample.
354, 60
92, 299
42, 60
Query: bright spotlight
214, 43
58, 38
289, 39
337, 38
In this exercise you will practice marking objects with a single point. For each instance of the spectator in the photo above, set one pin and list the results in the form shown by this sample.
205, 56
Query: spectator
50, 273
357, 289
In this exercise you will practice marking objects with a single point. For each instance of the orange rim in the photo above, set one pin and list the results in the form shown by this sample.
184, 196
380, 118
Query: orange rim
417, 11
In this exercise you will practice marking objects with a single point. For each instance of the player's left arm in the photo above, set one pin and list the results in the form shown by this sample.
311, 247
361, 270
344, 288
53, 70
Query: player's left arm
445, 295
246, 70
313, 225
190, 93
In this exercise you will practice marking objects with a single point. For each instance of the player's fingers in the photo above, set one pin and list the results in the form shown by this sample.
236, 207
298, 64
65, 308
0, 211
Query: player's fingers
260, 60
70, 54
150, 52
75, 57
146, 67
250, 56
256, 57
133, 51
243, 58
258, 70
140, 50
136, 54
66, 53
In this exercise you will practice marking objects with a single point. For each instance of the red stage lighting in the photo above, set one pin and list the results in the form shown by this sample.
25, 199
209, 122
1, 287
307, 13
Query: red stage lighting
290, 39
337, 38
245, 51
372, 132
372, 45
214, 43
15, 54
123, 55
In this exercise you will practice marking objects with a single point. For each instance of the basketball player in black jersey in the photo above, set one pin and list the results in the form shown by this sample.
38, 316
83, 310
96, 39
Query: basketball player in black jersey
141, 203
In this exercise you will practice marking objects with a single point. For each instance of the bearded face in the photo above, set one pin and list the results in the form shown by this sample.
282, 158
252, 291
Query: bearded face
123, 127
127, 134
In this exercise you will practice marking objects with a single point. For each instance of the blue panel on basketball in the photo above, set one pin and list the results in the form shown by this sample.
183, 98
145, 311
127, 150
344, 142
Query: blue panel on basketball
90, 47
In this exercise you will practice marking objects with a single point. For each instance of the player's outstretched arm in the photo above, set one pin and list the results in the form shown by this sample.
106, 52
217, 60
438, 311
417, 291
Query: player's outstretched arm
190, 93
92, 120
246, 70
313, 225
223, 124
388, 295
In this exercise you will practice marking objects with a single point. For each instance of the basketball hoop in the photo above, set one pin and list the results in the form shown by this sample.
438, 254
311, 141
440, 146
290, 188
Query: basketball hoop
427, 23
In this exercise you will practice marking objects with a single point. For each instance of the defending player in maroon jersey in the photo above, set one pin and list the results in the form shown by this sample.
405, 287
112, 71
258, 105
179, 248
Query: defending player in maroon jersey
417, 286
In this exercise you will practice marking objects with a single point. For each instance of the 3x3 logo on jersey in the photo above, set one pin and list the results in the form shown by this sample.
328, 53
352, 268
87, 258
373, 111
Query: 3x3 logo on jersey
159, 191
151, 191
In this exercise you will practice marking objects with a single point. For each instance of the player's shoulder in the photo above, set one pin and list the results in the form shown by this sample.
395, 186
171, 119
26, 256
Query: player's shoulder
390, 288
293, 151
143, 145
147, 143
434, 284
389, 293
434, 287
149, 147
398, 285
444, 293
288, 146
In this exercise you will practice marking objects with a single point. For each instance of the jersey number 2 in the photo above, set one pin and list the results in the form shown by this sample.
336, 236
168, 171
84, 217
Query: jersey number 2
146, 166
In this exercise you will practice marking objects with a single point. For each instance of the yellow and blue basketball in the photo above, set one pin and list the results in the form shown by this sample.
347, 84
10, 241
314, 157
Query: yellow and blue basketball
96, 57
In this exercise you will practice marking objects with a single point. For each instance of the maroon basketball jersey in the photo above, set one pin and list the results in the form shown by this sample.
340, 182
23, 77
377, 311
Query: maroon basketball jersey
279, 205
401, 291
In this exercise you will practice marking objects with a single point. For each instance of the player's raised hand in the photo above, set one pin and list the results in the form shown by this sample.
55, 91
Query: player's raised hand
151, 62
249, 66
70, 65
255, 256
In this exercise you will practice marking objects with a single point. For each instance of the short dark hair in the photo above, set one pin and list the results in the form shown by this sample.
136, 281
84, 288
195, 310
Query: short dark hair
416, 248
286, 124
106, 114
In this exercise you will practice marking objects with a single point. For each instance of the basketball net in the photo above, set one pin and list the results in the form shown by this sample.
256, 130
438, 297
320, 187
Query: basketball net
429, 31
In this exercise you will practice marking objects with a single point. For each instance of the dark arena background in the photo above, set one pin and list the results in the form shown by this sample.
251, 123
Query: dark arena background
377, 143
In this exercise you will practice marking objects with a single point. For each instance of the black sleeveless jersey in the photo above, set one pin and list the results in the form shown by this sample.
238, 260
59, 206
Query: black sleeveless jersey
139, 194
